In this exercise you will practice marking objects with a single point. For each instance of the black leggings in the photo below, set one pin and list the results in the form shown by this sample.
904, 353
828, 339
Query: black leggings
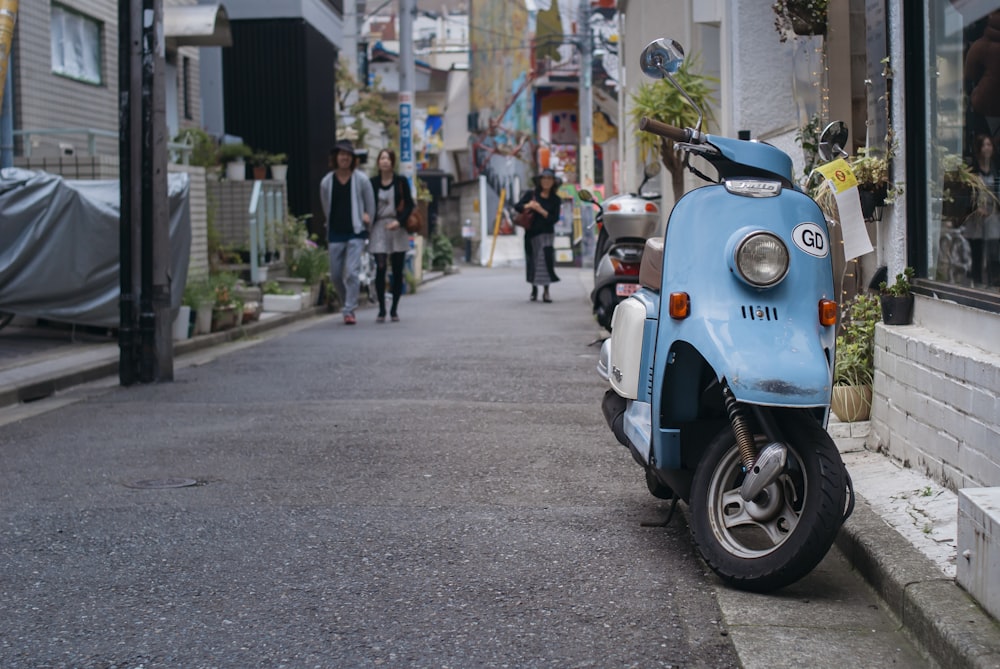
397, 260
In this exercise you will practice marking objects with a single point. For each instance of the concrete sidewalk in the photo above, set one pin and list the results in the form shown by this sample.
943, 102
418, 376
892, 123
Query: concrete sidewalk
901, 537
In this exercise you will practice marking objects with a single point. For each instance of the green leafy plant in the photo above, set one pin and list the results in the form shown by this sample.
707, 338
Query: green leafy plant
439, 254
901, 287
311, 263
203, 146
199, 293
660, 101
260, 159
224, 286
808, 138
235, 151
277, 159
274, 288
855, 362
800, 17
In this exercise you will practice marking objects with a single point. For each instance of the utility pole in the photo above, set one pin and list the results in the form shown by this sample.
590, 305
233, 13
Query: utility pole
144, 338
407, 77
586, 99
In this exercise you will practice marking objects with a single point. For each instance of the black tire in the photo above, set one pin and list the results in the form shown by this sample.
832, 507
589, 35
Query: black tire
657, 489
604, 306
784, 533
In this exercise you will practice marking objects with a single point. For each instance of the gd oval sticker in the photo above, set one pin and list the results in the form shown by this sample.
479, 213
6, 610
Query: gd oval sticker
810, 238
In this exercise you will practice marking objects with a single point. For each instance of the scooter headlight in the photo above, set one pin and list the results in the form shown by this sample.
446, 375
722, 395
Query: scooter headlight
762, 259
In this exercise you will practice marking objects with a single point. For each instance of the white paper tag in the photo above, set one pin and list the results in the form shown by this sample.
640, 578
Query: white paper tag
840, 178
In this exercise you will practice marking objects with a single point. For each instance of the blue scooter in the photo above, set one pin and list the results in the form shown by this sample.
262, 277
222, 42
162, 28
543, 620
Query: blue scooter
721, 363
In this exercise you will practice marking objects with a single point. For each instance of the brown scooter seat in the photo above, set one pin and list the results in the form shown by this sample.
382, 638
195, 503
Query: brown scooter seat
651, 267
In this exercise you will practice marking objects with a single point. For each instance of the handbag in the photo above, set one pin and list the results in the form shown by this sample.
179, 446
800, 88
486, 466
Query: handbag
415, 222
524, 218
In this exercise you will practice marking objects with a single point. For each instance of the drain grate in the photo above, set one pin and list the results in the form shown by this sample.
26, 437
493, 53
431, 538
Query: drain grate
155, 484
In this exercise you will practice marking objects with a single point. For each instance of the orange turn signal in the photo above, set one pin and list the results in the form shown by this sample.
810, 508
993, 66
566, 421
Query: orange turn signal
679, 305
827, 312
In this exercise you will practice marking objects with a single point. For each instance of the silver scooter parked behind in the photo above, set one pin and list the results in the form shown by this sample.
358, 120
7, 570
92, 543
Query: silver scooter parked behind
626, 221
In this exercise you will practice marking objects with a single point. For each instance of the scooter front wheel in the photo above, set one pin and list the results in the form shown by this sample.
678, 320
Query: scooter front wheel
783, 533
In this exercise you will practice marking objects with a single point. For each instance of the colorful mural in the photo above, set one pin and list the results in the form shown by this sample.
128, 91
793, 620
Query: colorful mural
500, 61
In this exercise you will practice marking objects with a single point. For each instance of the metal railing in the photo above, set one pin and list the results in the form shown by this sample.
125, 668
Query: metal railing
266, 216
183, 151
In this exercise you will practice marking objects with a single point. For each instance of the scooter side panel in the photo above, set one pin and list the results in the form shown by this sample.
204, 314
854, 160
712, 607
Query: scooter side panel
767, 343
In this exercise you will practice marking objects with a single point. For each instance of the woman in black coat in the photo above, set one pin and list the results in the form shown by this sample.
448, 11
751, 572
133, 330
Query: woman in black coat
544, 203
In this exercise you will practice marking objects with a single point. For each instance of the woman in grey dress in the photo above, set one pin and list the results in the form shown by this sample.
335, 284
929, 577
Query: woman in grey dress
544, 203
389, 241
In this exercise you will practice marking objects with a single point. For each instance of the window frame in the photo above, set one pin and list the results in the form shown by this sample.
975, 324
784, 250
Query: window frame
98, 57
916, 108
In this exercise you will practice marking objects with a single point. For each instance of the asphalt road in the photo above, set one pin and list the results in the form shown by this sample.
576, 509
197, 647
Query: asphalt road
439, 492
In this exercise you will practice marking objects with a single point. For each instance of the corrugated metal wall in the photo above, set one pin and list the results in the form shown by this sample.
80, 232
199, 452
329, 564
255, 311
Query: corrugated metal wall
278, 81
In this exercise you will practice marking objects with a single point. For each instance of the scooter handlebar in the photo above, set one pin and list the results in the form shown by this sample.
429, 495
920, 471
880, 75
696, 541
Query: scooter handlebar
664, 130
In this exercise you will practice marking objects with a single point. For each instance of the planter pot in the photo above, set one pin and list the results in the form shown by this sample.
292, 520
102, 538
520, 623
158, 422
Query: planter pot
182, 321
852, 403
236, 170
259, 172
897, 310
873, 201
203, 319
224, 318
279, 172
283, 302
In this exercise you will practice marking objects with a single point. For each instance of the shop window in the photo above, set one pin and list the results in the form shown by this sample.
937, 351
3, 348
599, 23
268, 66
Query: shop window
960, 242
76, 45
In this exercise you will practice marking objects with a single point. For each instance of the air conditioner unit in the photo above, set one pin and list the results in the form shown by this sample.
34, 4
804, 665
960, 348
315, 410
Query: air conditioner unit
66, 149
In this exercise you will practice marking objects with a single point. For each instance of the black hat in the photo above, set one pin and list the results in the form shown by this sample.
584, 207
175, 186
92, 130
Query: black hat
343, 145
547, 172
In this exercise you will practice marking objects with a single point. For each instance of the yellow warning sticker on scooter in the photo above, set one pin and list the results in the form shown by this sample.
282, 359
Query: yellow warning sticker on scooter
839, 175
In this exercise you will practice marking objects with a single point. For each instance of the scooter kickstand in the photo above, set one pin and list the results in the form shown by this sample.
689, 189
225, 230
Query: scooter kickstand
664, 523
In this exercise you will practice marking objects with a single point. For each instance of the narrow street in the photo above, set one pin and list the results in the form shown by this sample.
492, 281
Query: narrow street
438, 492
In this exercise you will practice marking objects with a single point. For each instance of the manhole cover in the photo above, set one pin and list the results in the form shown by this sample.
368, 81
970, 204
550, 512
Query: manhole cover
151, 484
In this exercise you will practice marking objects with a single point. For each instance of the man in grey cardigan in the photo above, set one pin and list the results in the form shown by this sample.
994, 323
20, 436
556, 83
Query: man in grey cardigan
349, 204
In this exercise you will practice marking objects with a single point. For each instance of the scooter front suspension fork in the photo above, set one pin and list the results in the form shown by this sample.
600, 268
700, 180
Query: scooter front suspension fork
741, 428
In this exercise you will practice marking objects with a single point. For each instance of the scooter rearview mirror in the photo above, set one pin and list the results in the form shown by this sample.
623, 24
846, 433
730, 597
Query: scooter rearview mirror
585, 195
661, 57
651, 169
833, 140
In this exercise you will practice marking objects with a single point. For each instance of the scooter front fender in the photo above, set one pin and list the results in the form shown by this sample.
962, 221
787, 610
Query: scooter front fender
764, 363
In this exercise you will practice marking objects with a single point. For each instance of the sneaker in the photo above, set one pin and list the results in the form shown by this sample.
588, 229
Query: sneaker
395, 318
349, 319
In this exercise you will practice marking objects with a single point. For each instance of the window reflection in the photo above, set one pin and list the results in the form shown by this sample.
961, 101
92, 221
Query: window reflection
964, 193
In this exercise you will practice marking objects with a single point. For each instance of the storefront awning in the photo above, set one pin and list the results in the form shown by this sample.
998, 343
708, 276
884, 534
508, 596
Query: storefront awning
196, 25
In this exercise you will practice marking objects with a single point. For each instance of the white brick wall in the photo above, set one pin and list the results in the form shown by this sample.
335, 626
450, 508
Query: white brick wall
936, 404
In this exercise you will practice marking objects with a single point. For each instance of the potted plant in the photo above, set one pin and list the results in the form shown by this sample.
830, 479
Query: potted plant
277, 298
854, 367
872, 172
800, 17
279, 166
227, 310
897, 300
234, 157
310, 263
259, 160
200, 296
